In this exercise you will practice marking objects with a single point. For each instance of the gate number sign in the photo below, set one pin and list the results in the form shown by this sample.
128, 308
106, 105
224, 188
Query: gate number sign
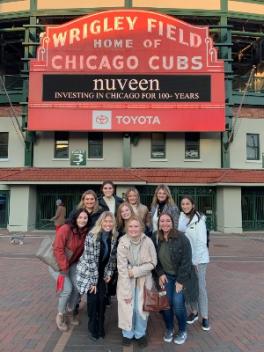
78, 157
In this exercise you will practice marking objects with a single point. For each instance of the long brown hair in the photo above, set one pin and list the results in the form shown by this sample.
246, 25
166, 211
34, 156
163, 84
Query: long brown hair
72, 222
173, 232
108, 182
194, 210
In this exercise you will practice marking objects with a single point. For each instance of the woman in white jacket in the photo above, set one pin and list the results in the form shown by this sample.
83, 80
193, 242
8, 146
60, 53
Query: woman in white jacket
192, 223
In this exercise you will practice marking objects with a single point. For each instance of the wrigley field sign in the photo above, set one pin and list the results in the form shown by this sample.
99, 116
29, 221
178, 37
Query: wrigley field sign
126, 70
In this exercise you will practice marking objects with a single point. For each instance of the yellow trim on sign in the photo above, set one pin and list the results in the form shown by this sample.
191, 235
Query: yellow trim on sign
14, 6
246, 7
180, 4
80, 4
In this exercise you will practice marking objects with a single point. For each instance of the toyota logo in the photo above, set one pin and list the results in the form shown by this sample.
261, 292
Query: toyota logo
102, 119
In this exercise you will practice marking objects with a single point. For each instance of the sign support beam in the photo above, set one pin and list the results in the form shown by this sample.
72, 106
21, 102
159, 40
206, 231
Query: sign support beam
226, 55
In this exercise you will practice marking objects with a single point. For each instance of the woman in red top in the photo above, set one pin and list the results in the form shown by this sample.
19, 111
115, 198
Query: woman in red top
69, 238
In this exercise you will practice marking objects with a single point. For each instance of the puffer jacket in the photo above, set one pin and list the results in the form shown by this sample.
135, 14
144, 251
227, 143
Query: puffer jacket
180, 253
197, 234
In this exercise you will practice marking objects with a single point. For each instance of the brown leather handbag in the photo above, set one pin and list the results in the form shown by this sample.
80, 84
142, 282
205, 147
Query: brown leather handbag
155, 300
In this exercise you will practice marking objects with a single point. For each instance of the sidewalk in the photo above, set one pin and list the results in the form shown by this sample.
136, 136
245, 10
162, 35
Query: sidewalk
236, 302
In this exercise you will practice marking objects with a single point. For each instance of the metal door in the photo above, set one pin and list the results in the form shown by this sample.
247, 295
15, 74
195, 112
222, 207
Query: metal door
252, 204
4, 208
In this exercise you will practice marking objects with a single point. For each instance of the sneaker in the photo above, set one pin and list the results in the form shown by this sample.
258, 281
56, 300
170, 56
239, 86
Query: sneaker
192, 318
61, 325
126, 341
205, 325
180, 338
74, 320
168, 336
93, 337
142, 341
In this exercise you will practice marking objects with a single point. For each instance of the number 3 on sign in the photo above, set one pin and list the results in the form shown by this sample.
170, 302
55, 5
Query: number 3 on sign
78, 157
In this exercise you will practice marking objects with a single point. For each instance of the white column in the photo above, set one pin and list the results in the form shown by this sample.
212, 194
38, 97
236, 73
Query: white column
229, 212
22, 214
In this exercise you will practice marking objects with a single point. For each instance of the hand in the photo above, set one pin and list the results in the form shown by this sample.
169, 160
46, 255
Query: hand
130, 273
107, 279
93, 289
178, 287
128, 300
163, 280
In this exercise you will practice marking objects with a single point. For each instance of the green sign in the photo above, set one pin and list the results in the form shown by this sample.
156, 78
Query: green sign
78, 157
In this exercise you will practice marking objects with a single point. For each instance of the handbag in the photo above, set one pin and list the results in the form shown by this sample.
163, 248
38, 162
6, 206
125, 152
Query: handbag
46, 255
155, 300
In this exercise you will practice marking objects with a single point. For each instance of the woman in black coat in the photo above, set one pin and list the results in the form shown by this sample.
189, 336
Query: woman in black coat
109, 201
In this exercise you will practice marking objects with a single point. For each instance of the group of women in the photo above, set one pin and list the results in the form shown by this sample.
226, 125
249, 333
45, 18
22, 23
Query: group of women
120, 243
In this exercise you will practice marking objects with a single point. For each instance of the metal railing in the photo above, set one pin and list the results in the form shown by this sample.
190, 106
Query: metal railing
12, 83
255, 86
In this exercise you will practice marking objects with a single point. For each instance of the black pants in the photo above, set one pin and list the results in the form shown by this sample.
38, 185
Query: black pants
96, 310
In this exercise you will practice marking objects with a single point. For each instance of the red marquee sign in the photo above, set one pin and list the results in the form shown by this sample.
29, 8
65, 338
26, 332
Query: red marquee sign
126, 70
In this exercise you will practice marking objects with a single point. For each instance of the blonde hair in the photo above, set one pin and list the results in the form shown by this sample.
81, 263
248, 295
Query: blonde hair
97, 229
132, 189
89, 192
166, 189
135, 218
120, 221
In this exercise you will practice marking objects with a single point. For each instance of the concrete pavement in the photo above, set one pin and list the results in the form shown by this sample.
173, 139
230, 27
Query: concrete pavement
236, 303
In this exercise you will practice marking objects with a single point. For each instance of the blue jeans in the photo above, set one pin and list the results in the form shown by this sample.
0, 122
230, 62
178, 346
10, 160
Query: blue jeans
139, 324
177, 303
69, 296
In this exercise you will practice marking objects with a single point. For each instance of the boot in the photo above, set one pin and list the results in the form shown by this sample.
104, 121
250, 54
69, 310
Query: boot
62, 326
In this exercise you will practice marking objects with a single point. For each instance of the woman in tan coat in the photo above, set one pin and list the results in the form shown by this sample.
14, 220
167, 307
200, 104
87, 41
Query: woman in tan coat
136, 258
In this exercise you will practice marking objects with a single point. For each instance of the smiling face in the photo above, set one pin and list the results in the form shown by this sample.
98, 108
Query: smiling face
125, 212
108, 190
134, 229
132, 198
162, 195
82, 220
107, 224
186, 205
165, 223
89, 202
